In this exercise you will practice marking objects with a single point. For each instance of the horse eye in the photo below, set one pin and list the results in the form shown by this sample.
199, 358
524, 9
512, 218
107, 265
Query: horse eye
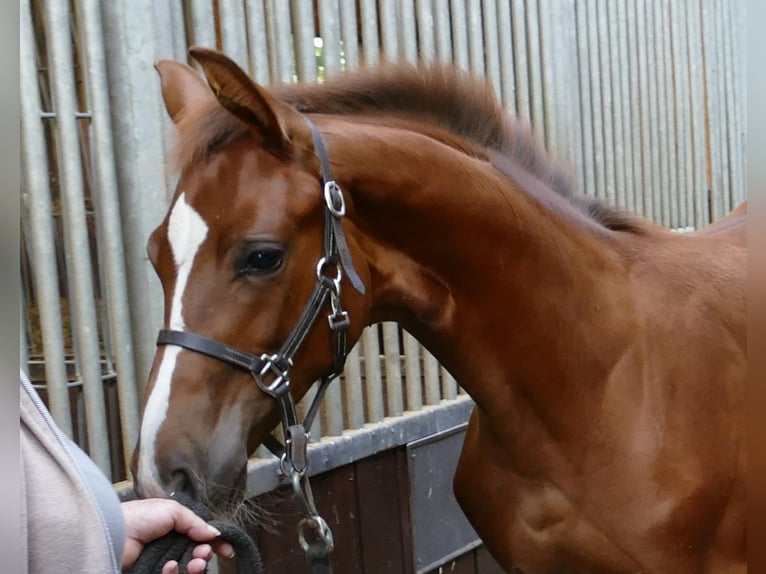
260, 260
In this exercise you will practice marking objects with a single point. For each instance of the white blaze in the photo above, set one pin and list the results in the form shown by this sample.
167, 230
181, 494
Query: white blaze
186, 232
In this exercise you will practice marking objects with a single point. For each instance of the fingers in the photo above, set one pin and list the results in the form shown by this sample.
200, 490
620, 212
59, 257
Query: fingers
223, 549
186, 522
196, 566
170, 567
204, 551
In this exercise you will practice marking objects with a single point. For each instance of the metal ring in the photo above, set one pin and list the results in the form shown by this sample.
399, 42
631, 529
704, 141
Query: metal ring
329, 198
318, 524
322, 264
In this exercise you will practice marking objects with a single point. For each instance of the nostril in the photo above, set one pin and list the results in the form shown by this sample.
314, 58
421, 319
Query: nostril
181, 483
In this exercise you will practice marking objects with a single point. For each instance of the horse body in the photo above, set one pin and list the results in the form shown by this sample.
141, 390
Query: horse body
606, 356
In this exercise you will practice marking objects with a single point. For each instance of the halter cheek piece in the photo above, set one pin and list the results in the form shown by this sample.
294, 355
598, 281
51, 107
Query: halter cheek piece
272, 372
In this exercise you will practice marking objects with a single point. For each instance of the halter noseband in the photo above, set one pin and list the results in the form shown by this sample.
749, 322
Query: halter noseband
329, 272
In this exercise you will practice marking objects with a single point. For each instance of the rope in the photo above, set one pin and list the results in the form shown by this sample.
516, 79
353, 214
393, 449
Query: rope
178, 547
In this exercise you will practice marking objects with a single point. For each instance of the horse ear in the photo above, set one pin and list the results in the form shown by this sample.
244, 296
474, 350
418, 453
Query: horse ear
251, 103
182, 87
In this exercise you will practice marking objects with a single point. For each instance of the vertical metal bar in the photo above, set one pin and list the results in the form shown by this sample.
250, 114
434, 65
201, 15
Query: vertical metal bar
565, 47
348, 26
620, 70
697, 111
77, 250
431, 378
449, 385
203, 23
521, 66
257, 44
606, 101
507, 75
23, 342
426, 31
412, 372
36, 202
590, 160
682, 112
475, 37
304, 32
459, 34
594, 65
635, 129
352, 390
286, 36
535, 67
373, 384
408, 35
553, 116
709, 42
389, 31
393, 369
723, 81
168, 17
137, 131
370, 39
107, 204
443, 31
329, 29
658, 180
668, 127
729, 126
492, 46
234, 30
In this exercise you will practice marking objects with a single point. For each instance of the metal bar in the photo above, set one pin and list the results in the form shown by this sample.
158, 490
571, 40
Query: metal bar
370, 40
599, 155
332, 410
76, 244
329, 29
709, 42
393, 369
682, 112
553, 117
426, 31
234, 31
606, 102
731, 168
565, 45
257, 33
459, 34
634, 87
505, 41
36, 205
449, 385
348, 26
287, 34
203, 23
107, 204
23, 341
373, 384
590, 160
352, 390
304, 32
408, 40
389, 30
443, 31
697, 111
475, 37
654, 113
137, 132
723, 81
431, 384
492, 46
521, 66
412, 372
670, 192
535, 68
621, 107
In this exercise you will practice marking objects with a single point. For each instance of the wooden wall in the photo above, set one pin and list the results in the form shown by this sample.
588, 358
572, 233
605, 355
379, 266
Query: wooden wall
367, 506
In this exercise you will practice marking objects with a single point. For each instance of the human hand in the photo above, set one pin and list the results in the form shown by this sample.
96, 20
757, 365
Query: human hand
151, 518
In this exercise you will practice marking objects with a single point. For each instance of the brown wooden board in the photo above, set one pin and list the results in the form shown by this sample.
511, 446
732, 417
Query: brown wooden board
485, 563
380, 514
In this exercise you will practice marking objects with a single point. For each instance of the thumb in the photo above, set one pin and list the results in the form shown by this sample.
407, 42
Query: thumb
188, 523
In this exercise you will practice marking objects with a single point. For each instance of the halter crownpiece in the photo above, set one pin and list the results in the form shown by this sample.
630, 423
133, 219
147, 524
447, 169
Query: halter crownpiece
272, 372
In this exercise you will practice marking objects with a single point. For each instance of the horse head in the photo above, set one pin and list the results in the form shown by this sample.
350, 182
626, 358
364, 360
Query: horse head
241, 253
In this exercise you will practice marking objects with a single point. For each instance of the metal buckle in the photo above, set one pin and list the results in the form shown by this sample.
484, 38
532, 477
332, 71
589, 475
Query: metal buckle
338, 320
322, 529
333, 194
282, 376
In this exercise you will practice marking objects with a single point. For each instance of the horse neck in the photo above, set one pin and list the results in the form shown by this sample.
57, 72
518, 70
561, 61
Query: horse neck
511, 291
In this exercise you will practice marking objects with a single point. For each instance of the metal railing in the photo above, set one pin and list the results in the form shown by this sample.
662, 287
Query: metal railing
646, 99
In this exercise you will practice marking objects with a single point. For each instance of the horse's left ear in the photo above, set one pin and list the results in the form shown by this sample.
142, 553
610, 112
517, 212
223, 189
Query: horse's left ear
251, 103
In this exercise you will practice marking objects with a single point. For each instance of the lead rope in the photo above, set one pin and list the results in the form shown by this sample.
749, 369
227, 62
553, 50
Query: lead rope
179, 547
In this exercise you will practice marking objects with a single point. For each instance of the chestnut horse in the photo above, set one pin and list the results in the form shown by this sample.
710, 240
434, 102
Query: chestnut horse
605, 354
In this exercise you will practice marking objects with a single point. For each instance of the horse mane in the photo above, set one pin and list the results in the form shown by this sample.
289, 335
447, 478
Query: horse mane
441, 95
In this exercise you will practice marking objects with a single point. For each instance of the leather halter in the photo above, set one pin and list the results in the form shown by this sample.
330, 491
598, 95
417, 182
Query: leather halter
272, 372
